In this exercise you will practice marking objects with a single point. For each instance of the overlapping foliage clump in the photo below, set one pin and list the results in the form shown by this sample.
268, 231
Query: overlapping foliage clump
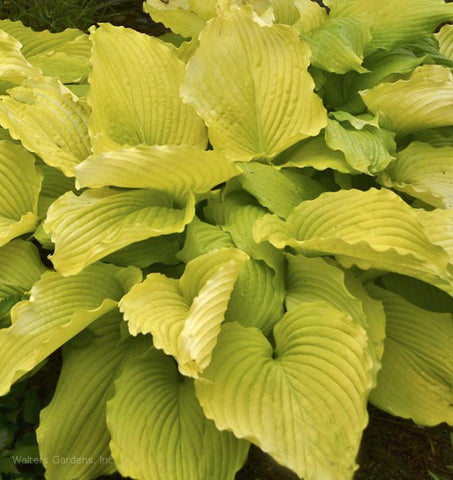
250, 229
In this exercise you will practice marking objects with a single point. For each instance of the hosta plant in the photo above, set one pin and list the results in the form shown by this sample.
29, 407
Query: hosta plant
250, 231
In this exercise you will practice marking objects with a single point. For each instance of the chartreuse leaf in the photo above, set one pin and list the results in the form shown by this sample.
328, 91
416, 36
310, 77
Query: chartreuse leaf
422, 101
372, 229
178, 16
338, 45
257, 298
184, 315
278, 191
49, 120
416, 379
285, 11
315, 279
201, 238
63, 54
258, 104
445, 39
59, 308
394, 22
318, 375
159, 431
71, 429
315, 153
148, 74
366, 147
20, 183
438, 226
424, 172
311, 16
14, 67
20, 268
89, 227
147, 252
176, 169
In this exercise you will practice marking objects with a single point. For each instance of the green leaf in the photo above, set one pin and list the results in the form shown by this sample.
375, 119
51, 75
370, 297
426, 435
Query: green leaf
78, 430
317, 279
258, 104
372, 229
49, 121
422, 101
424, 172
445, 39
236, 215
257, 297
148, 74
278, 191
201, 238
416, 378
419, 293
394, 22
89, 227
184, 315
158, 428
20, 268
59, 308
175, 169
20, 183
318, 375
338, 45
366, 146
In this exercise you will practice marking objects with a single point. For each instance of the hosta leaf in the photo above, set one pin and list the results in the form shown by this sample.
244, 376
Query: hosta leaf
278, 191
159, 431
171, 168
258, 104
59, 308
416, 379
285, 11
147, 252
311, 16
424, 172
257, 298
315, 153
315, 279
366, 147
14, 67
438, 226
424, 100
419, 293
49, 121
177, 15
148, 74
445, 39
20, 183
372, 229
184, 315
236, 215
88, 227
20, 268
338, 45
63, 54
79, 430
318, 375
394, 22
201, 238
